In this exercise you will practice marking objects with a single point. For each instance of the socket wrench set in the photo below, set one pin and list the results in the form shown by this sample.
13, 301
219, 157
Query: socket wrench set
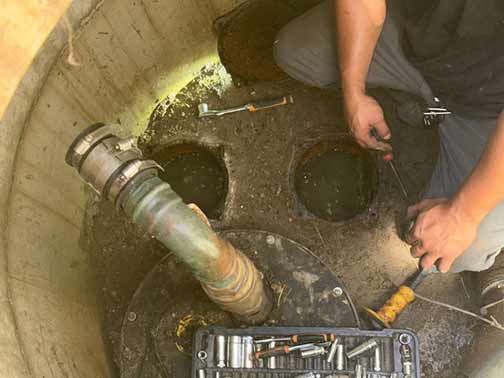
300, 352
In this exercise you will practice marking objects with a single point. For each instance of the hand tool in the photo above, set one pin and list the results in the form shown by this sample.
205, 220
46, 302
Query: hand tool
202, 356
377, 359
405, 339
205, 111
398, 302
340, 357
392, 165
272, 360
332, 351
359, 371
281, 350
248, 352
316, 351
235, 352
308, 375
258, 348
406, 360
364, 370
301, 339
434, 115
362, 348
220, 344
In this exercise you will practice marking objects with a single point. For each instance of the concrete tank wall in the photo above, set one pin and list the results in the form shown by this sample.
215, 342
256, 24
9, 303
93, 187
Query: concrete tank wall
132, 53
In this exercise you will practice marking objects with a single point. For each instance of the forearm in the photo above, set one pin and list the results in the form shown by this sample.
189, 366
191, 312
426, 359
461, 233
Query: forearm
359, 23
484, 188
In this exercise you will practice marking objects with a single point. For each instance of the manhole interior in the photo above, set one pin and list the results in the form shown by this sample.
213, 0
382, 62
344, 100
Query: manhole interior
197, 173
335, 180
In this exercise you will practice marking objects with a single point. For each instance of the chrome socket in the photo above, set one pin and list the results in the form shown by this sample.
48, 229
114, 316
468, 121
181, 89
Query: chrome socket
259, 362
332, 352
363, 348
308, 375
316, 351
359, 371
377, 359
235, 352
340, 357
272, 360
220, 350
248, 352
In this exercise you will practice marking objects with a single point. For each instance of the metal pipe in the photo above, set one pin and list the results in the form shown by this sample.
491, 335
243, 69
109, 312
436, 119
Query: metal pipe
115, 169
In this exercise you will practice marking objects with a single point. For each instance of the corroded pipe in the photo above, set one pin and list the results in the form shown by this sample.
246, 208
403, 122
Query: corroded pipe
115, 169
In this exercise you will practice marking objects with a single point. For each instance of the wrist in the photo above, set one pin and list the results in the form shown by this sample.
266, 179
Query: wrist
466, 209
353, 90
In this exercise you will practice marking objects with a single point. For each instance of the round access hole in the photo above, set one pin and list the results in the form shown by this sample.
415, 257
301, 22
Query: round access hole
335, 180
197, 173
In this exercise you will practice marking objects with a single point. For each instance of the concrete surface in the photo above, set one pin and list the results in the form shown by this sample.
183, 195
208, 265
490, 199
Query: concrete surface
132, 54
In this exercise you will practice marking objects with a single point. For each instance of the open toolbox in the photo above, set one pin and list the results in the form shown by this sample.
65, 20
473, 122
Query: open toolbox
321, 353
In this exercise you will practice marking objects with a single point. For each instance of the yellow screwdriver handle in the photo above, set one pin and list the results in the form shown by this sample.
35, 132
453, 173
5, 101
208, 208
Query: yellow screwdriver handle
394, 306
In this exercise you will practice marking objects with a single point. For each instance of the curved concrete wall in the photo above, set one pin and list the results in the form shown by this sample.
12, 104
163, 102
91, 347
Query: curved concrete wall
132, 53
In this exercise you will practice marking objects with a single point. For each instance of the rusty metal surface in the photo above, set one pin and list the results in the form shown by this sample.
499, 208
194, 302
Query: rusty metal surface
228, 277
170, 304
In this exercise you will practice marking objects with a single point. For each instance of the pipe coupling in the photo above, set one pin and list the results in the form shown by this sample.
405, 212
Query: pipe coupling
106, 162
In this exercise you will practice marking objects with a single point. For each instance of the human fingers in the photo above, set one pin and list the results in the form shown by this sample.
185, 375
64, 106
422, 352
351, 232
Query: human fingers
429, 260
445, 264
418, 250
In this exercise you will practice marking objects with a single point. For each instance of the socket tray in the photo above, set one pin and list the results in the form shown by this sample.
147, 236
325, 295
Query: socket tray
292, 365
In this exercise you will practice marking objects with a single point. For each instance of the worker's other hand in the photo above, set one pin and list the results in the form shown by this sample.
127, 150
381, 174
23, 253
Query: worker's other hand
363, 114
442, 233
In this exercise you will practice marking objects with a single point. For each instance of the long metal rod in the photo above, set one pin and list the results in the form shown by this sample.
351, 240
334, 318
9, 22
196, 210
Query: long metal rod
399, 179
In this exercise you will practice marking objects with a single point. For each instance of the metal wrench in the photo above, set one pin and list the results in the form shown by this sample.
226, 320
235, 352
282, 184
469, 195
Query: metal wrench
205, 111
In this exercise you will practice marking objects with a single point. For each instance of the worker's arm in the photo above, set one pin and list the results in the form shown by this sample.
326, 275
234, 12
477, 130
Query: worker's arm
446, 228
360, 23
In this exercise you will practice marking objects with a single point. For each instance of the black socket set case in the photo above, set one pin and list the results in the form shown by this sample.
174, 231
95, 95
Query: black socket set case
292, 365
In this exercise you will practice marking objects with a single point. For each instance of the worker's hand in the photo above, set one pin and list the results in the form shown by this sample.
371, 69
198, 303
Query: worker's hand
363, 114
442, 232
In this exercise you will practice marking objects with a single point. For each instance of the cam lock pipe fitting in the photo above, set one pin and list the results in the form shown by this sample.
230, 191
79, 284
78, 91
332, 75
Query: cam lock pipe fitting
115, 169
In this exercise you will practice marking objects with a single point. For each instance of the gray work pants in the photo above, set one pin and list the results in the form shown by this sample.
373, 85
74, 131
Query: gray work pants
306, 50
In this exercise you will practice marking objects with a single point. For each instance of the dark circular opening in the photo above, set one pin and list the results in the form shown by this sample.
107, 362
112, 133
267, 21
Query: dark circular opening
335, 180
196, 173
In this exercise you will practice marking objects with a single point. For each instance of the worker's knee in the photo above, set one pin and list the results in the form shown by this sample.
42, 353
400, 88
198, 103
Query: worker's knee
289, 54
301, 55
488, 244
476, 259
